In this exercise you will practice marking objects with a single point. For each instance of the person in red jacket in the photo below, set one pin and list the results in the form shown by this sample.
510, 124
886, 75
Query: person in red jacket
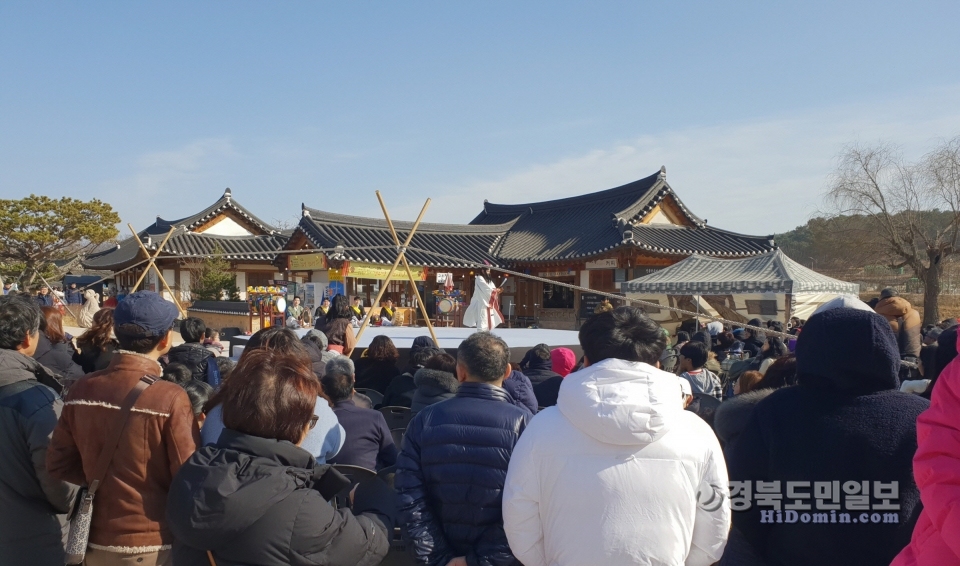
936, 467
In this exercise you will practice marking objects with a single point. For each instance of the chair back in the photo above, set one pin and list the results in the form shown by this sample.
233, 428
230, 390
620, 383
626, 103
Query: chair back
375, 396
397, 417
397, 434
355, 474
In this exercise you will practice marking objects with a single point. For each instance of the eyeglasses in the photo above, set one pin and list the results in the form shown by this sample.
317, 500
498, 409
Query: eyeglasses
313, 421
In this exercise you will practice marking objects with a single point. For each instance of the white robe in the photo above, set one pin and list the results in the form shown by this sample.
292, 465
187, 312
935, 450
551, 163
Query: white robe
479, 313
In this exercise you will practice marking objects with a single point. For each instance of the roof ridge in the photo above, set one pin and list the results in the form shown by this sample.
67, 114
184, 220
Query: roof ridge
616, 192
317, 215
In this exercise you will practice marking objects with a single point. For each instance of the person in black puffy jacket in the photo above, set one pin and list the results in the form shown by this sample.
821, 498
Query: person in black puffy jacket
256, 497
450, 490
436, 381
193, 354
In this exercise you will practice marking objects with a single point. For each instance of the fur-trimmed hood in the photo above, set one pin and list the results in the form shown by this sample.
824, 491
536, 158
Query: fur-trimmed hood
442, 381
733, 414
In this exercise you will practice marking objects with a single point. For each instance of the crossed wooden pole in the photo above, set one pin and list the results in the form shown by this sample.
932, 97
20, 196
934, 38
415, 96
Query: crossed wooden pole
401, 258
151, 263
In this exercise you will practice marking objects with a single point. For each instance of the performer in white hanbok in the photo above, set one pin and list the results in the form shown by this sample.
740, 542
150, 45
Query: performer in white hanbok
484, 309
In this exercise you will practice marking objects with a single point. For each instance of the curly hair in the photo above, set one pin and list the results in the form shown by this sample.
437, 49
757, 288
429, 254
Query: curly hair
99, 335
382, 349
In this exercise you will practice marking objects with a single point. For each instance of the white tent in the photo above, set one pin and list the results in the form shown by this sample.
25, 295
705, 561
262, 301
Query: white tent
769, 286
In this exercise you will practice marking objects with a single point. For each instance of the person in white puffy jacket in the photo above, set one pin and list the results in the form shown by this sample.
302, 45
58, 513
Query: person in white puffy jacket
617, 473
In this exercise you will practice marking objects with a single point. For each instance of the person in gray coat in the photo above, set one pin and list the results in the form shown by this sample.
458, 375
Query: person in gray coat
436, 381
33, 506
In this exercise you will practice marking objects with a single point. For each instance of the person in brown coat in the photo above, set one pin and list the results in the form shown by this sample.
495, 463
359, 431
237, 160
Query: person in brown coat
904, 321
129, 525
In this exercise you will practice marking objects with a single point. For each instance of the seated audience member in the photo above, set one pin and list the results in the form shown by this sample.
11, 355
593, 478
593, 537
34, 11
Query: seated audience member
935, 466
562, 361
845, 419
368, 442
726, 345
324, 440
378, 365
199, 393
315, 343
747, 382
520, 389
97, 344
772, 350
436, 381
33, 504
451, 472
54, 350
537, 364
192, 353
255, 496
580, 488
693, 356
402, 387
752, 342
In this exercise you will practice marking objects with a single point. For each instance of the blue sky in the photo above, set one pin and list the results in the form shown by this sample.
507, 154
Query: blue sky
157, 107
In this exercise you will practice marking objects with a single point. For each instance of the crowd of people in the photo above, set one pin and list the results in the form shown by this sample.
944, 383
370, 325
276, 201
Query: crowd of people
828, 441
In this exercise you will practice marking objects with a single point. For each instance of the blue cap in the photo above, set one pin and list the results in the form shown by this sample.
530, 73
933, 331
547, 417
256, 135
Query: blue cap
738, 332
147, 310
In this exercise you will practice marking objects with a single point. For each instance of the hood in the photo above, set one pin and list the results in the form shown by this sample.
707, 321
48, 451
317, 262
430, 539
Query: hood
893, 307
562, 361
320, 336
422, 342
850, 350
223, 489
620, 402
732, 415
434, 381
532, 361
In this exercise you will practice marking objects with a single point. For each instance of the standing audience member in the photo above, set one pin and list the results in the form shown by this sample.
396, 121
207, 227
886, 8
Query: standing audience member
129, 524
378, 365
225, 365
936, 467
177, 373
904, 321
618, 473
336, 325
44, 298
193, 354
199, 393
324, 440
211, 341
33, 503
844, 422
74, 295
451, 472
97, 345
256, 496
562, 361
54, 350
368, 443
436, 381
693, 356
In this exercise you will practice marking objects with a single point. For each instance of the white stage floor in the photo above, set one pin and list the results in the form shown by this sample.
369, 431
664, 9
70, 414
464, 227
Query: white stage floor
519, 339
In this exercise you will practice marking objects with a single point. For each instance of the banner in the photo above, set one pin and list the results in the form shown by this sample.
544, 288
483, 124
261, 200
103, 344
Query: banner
378, 271
307, 262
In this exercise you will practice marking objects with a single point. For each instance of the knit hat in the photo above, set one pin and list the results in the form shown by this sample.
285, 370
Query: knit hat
715, 327
848, 349
563, 360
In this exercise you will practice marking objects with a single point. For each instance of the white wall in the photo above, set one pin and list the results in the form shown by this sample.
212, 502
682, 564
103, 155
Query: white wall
242, 285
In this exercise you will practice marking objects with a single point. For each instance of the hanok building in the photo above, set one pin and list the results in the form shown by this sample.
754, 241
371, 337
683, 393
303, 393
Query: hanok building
596, 241
225, 227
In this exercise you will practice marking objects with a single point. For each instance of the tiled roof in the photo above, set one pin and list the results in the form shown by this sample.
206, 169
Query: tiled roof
185, 243
595, 223
225, 202
473, 243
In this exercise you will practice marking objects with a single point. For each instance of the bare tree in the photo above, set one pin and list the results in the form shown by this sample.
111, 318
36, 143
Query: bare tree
914, 208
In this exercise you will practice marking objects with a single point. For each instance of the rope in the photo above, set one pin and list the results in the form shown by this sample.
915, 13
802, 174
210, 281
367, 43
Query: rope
474, 264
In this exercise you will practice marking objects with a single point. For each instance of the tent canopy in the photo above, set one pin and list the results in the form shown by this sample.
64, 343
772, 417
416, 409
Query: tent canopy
771, 272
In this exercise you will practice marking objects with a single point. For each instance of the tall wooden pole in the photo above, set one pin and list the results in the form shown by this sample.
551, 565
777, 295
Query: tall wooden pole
153, 265
400, 252
416, 292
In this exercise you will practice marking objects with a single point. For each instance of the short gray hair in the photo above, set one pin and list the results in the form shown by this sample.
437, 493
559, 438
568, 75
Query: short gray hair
341, 365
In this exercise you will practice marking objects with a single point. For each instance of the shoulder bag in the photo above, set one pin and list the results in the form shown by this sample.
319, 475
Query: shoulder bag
80, 522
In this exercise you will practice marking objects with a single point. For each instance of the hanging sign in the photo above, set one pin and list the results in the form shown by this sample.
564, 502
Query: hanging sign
610, 263
307, 262
378, 271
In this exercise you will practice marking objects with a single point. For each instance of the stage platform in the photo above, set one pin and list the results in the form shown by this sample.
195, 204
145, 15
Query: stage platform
518, 339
